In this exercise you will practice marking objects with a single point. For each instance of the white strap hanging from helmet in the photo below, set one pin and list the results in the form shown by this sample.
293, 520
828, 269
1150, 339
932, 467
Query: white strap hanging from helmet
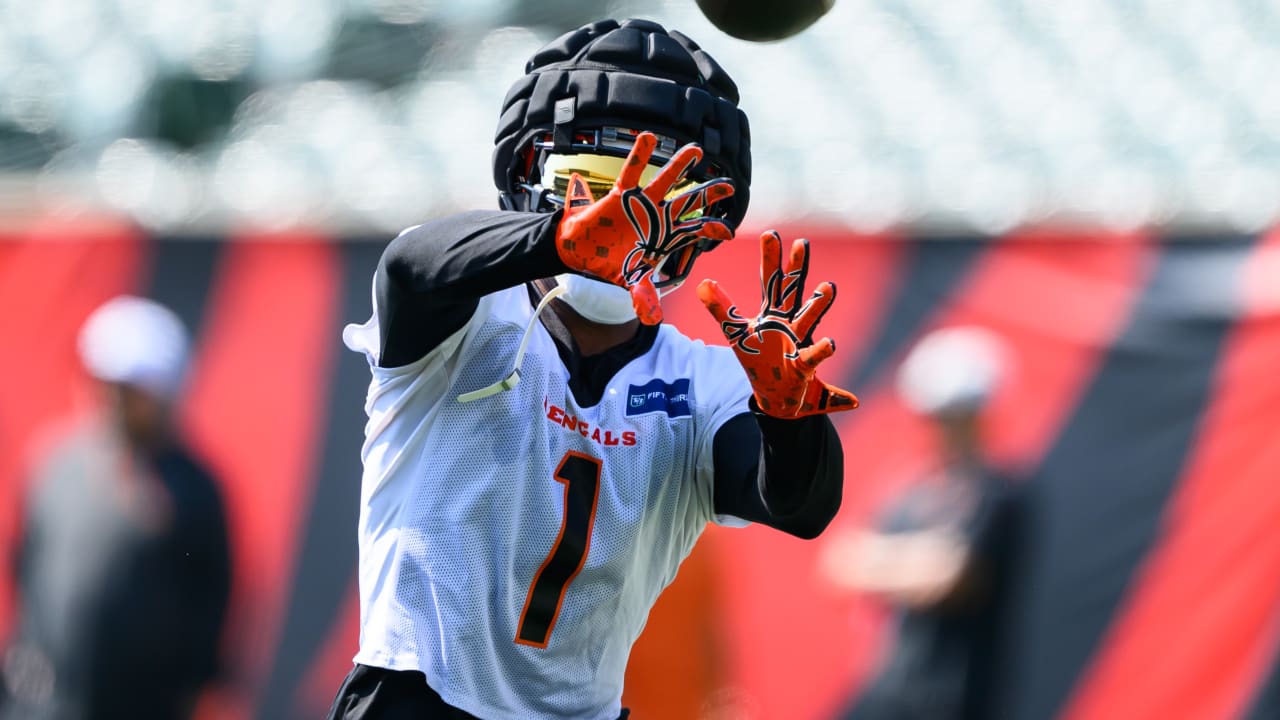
513, 379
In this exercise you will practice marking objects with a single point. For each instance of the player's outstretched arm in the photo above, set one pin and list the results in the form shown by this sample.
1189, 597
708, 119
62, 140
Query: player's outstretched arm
795, 479
431, 277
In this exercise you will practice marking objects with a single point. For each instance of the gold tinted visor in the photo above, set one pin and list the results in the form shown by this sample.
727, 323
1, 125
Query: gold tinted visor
600, 172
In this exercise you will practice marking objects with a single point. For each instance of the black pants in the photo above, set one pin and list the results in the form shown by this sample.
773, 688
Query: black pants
371, 693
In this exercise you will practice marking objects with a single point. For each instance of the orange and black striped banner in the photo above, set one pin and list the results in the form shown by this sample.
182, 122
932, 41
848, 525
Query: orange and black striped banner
1143, 415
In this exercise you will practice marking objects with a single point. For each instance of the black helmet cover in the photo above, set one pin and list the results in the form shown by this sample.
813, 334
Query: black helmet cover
593, 89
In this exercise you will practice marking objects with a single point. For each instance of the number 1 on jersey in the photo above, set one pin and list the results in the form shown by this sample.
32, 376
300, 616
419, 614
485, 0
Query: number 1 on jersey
580, 475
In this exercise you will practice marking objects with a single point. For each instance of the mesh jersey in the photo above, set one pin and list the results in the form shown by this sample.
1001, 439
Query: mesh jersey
474, 516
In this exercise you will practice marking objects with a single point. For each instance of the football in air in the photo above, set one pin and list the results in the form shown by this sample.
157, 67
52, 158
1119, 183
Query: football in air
763, 20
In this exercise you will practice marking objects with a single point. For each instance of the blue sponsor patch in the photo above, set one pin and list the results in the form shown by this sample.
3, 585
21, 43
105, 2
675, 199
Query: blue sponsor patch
658, 396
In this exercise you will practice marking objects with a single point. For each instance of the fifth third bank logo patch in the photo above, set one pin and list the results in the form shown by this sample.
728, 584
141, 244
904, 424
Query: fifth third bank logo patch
656, 395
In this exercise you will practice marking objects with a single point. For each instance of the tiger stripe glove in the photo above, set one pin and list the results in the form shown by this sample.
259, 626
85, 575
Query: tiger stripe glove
625, 236
776, 348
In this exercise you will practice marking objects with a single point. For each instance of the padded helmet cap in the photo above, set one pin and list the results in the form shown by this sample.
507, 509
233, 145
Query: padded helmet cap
633, 76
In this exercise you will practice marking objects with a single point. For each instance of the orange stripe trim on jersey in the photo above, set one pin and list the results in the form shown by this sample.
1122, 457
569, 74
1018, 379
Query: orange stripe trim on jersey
555, 549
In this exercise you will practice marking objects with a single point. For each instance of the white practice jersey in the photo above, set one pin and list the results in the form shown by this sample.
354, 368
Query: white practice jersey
511, 547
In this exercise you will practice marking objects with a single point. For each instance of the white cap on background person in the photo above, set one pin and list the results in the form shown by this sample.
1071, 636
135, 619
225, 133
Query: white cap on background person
953, 370
138, 342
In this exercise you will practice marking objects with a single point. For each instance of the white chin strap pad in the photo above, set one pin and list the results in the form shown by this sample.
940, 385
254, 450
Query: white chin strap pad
595, 300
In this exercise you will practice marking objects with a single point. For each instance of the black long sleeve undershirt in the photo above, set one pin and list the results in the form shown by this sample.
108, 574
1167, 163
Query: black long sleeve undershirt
431, 278
787, 474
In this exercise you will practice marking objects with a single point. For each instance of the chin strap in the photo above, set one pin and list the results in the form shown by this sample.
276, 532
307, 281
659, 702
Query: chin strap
530, 198
513, 379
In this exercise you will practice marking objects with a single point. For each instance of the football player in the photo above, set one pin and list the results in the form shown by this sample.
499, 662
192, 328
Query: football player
541, 451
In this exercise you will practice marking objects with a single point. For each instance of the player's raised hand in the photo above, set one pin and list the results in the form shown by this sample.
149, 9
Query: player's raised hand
623, 237
776, 347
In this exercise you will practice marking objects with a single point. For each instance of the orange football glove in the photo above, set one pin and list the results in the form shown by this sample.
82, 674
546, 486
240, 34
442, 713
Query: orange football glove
776, 348
625, 236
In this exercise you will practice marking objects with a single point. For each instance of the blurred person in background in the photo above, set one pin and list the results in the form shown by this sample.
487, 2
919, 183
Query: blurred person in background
941, 556
123, 568
522, 512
